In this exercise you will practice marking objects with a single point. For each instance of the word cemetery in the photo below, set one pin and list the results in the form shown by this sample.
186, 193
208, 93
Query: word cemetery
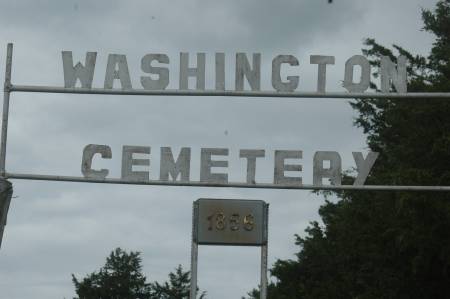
173, 168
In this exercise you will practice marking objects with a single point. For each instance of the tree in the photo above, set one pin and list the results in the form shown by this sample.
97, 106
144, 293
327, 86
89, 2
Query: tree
387, 244
178, 286
120, 278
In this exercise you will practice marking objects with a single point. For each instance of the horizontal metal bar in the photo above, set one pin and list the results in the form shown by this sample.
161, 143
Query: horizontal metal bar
41, 177
232, 93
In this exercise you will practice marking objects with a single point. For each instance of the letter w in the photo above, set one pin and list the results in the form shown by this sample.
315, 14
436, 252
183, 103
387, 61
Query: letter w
84, 73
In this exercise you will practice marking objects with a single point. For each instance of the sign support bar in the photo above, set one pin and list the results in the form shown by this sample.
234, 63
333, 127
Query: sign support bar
6, 93
194, 262
194, 255
233, 93
42, 177
247, 224
264, 255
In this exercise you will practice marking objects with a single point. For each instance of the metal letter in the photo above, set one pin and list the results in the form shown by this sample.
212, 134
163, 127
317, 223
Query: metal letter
128, 162
206, 164
84, 73
364, 82
292, 83
117, 68
181, 167
363, 166
163, 73
186, 71
322, 61
333, 173
251, 156
88, 153
243, 68
389, 72
220, 71
280, 167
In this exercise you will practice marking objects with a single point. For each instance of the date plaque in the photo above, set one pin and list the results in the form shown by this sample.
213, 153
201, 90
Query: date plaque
230, 222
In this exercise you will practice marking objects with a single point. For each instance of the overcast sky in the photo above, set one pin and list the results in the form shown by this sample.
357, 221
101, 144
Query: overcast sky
55, 229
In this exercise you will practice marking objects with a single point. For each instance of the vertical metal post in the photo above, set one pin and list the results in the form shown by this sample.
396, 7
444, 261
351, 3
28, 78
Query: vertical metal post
264, 254
6, 92
194, 262
194, 252
264, 271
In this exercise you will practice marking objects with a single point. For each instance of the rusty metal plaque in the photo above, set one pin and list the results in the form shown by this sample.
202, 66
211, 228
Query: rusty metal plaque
230, 222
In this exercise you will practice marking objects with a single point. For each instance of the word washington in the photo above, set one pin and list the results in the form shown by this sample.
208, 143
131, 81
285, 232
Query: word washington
158, 79
179, 168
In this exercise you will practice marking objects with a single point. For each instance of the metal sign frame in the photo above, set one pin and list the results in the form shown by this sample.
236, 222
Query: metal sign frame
9, 88
263, 245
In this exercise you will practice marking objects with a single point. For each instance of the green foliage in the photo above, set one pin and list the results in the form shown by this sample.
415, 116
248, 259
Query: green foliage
387, 244
177, 287
121, 278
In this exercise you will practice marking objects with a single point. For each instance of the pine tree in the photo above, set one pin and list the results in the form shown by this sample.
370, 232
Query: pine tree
120, 278
178, 286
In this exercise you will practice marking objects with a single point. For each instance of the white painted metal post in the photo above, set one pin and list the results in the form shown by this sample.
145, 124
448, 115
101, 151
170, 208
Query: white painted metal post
194, 253
263, 294
194, 262
6, 93
264, 254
